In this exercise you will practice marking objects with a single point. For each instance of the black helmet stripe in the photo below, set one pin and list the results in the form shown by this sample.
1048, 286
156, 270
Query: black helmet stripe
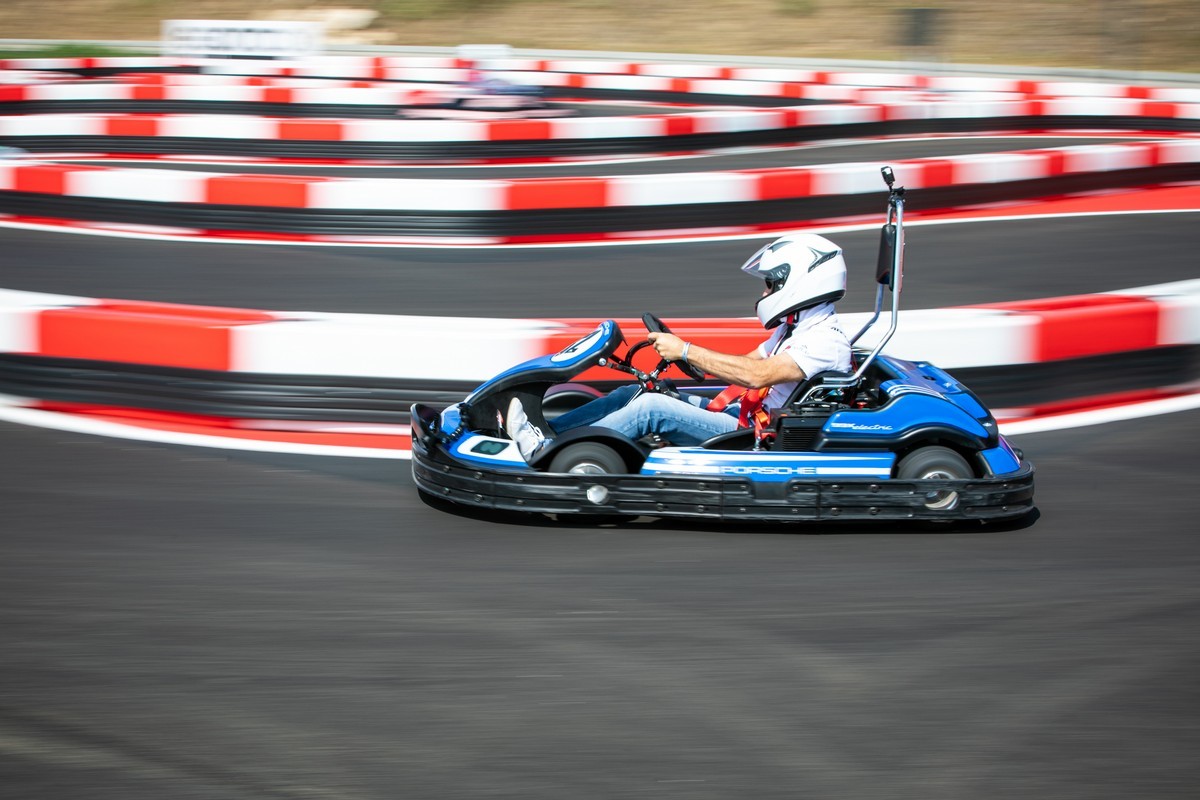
820, 257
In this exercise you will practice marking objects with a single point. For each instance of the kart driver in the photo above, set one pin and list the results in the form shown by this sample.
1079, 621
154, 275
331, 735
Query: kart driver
805, 274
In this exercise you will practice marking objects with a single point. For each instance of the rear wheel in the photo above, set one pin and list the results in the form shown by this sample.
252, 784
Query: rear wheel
935, 463
588, 458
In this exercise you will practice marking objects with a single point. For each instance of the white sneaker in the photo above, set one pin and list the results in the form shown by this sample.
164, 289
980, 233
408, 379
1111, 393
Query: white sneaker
529, 439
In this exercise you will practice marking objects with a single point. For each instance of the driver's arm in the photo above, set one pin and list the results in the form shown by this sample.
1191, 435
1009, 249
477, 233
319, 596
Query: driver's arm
753, 371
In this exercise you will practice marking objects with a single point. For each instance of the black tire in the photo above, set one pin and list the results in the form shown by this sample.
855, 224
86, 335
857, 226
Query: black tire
590, 458
935, 463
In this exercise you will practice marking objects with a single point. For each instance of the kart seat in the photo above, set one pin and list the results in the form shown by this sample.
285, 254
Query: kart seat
844, 394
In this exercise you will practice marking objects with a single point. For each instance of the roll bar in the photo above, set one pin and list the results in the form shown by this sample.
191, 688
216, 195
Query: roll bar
889, 274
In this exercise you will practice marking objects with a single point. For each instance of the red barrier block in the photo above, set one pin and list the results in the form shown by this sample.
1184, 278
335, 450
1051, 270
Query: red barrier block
277, 191
536, 193
782, 184
132, 125
279, 94
194, 337
518, 130
308, 130
936, 172
151, 92
1090, 325
45, 178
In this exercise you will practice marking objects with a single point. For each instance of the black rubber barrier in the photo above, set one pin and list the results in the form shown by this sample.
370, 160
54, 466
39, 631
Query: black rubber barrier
540, 222
558, 148
364, 399
220, 394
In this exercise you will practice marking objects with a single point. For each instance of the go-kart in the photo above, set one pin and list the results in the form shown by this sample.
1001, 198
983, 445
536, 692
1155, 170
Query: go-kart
894, 440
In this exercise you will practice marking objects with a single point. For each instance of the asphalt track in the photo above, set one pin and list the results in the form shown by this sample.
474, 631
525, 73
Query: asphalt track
946, 265
187, 624
191, 624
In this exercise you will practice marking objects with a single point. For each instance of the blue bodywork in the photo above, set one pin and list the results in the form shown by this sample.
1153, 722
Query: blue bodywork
896, 439
918, 403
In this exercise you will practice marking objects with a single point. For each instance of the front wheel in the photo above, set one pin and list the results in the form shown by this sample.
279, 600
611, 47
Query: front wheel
588, 458
935, 463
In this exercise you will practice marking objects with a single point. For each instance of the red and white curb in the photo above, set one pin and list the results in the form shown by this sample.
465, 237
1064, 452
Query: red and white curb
364, 345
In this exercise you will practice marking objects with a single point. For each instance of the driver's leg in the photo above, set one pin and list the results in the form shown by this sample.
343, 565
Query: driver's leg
678, 421
593, 410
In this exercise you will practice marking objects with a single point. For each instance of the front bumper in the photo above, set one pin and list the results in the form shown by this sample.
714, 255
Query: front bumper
709, 498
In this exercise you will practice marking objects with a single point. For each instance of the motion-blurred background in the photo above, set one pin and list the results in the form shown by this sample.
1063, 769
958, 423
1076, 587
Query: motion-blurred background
1151, 35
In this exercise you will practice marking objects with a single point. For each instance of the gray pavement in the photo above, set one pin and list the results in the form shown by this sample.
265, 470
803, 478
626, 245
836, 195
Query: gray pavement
195, 624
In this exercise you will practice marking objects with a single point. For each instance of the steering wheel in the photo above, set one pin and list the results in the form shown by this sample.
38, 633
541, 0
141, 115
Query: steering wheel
656, 325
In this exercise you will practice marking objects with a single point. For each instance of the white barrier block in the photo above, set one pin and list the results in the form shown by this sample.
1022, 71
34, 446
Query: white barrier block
632, 83
53, 125
955, 338
838, 114
428, 62
356, 71
734, 121
425, 74
980, 109
1106, 158
971, 83
661, 190
402, 194
900, 80
698, 71
776, 74
218, 126
1092, 107
998, 167
831, 94
19, 317
898, 108
78, 91
154, 185
606, 127
589, 67
420, 348
1175, 94
1179, 151
833, 179
1180, 320
414, 130
1080, 89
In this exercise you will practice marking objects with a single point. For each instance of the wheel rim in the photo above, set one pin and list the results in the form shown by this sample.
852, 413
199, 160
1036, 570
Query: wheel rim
941, 500
588, 468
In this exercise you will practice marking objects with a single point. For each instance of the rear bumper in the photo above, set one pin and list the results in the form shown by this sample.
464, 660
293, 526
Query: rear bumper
709, 498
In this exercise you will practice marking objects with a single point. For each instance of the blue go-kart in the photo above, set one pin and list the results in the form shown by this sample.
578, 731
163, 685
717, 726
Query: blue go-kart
894, 440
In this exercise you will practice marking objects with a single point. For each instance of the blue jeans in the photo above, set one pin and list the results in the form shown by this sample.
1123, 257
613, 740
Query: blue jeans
681, 422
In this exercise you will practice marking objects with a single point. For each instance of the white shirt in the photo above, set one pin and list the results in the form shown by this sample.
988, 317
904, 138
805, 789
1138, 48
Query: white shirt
816, 344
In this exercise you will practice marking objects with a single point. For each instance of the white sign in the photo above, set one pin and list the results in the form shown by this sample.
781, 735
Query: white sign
225, 37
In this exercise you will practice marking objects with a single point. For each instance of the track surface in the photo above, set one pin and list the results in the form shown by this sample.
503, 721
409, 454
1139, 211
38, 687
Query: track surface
946, 265
188, 624
185, 624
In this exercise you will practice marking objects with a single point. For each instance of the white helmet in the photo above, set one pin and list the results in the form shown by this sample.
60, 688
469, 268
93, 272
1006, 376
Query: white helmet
801, 270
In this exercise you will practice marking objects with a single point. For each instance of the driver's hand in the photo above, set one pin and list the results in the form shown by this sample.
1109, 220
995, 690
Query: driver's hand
668, 345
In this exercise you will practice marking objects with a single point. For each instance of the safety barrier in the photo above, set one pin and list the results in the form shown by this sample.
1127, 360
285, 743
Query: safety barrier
364, 368
522, 210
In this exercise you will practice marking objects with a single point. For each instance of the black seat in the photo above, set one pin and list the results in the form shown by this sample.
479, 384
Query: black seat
844, 395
